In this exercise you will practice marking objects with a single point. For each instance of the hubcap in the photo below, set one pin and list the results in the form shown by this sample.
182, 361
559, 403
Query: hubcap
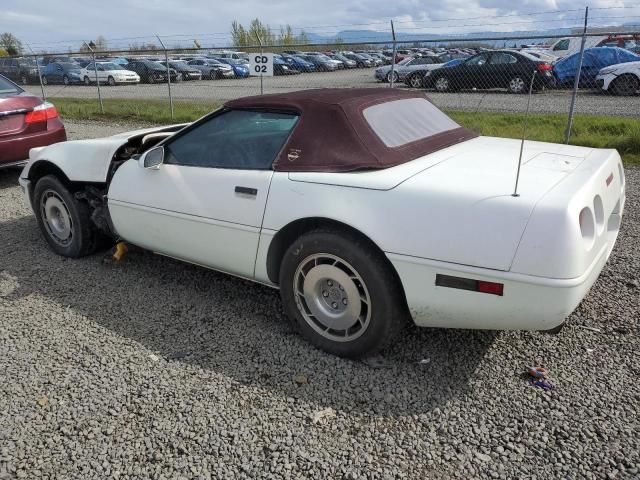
332, 297
415, 82
442, 84
516, 84
56, 218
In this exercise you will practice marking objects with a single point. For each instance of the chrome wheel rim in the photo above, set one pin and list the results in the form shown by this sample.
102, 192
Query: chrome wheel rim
56, 218
332, 297
516, 84
415, 82
442, 84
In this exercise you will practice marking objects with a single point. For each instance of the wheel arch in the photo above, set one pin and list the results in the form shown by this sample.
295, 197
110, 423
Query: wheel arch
295, 229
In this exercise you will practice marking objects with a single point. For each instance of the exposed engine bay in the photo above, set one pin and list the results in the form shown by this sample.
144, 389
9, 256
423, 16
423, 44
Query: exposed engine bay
95, 195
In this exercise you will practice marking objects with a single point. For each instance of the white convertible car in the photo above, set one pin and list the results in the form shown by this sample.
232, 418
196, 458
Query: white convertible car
364, 206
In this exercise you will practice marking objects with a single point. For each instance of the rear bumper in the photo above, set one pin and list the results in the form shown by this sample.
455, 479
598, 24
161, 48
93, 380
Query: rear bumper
16, 148
528, 303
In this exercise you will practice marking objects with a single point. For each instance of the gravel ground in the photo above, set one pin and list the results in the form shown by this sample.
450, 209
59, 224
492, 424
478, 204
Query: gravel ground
157, 369
551, 101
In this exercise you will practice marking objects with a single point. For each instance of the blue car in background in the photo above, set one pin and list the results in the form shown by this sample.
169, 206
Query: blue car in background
594, 60
298, 63
240, 67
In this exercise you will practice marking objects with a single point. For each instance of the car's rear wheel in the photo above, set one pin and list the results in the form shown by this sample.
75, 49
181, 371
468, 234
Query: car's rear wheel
65, 80
64, 221
341, 293
516, 85
625, 85
213, 75
87, 81
442, 84
44, 80
111, 81
415, 81
395, 77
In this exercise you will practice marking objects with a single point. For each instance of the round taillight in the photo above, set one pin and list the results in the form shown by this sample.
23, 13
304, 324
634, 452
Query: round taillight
587, 226
598, 210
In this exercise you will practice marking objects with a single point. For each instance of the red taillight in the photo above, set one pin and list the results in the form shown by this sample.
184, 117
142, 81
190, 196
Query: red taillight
41, 113
544, 67
490, 287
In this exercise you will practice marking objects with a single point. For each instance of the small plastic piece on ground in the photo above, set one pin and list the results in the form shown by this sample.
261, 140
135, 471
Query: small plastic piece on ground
326, 414
539, 377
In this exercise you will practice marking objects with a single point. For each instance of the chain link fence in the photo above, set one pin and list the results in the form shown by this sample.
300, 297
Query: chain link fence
491, 74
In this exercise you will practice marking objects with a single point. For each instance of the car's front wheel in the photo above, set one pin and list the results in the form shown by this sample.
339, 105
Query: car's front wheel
111, 81
44, 80
87, 82
65, 80
442, 84
64, 221
394, 76
341, 293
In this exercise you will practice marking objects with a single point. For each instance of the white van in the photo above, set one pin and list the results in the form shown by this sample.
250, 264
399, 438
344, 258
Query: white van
568, 45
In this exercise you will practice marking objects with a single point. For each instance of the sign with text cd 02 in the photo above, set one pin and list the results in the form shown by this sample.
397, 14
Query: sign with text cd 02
261, 64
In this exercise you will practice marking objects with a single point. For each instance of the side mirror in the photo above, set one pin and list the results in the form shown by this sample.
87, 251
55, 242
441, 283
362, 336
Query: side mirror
152, 159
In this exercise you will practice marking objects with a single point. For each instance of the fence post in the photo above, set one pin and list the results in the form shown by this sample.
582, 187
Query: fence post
35, 58
166, 60
576, 82
95, 71
261, 52
393, 55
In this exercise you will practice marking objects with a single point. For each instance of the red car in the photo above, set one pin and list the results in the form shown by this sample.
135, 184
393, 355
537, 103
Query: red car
25, 122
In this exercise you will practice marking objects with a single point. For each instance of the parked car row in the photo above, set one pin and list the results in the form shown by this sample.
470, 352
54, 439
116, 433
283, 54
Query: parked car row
610, 69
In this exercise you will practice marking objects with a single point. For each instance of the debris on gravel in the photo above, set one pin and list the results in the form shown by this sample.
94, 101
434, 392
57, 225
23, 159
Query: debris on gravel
152, 368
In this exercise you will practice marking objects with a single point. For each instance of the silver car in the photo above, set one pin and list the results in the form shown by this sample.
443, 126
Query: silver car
407, 67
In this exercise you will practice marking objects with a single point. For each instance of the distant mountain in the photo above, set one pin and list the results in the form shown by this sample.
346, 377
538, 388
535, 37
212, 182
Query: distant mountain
505, 38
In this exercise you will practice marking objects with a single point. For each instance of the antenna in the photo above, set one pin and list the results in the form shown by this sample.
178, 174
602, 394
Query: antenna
524, 132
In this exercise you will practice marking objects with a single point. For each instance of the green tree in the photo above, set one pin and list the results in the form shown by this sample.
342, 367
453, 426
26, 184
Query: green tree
10, 43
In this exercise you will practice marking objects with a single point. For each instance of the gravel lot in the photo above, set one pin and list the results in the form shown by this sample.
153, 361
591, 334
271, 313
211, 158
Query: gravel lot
552, 101
156, 369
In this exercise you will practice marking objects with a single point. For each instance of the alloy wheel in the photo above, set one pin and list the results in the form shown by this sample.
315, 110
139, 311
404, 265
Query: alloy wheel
332, 297
57, 219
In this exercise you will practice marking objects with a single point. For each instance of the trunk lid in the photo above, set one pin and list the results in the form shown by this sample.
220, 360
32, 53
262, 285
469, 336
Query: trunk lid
12, 111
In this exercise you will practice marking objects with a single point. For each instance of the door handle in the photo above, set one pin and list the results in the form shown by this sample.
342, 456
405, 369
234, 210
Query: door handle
247, 191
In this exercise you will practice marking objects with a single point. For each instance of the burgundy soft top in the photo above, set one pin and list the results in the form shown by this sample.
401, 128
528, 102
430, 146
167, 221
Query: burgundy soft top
332, 134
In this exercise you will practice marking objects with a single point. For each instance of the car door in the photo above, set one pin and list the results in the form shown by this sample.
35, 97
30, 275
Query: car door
205, 203
501, 68
474, 72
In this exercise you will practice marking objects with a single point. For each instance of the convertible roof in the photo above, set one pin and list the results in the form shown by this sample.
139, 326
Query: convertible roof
333, 135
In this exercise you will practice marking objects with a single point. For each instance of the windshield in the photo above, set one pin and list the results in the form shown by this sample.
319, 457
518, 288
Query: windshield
111, 66
69, 66
8, 88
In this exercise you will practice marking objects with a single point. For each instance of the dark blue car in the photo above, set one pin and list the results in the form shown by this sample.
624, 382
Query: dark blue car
240, 67
298, 63
61, 72
594, 59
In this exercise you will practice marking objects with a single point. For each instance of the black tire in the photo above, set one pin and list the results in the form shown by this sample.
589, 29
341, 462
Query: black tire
87, 81
111, 81
395, 77
65, 80
517, 84
385, 311
213, 75
183, 75
85, 237
24, 80
625, 85
415, 81
442, 84
44, 80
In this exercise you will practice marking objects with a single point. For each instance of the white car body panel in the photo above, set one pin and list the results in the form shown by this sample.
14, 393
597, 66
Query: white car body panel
610, 73
191, 213
449, 213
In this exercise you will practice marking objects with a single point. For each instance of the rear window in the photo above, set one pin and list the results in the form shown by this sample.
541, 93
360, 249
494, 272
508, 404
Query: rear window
404, 121
8, 88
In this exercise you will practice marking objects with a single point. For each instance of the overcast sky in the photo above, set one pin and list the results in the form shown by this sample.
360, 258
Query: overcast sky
63, 23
